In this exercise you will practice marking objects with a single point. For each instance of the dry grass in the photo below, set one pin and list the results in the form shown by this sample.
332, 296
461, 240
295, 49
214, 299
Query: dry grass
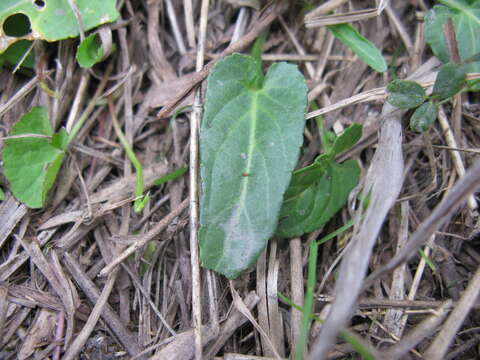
88, 278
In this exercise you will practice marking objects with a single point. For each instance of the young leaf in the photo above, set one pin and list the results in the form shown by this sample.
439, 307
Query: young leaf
249, 145
466, 22
423, 117
450, 80
405, 94
347, 139
90, 51
31, 164
309, 209
365, 50
16, 53
171, 176
309, 175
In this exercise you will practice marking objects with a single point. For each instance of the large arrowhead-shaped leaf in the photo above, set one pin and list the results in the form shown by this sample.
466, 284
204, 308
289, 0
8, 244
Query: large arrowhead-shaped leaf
32, 164
52, 20
466, 20
249, 144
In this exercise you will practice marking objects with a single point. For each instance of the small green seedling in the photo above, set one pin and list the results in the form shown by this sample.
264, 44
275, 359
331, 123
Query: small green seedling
451, 78
140, 199
406, 94
360, 45
90, 51
319, 190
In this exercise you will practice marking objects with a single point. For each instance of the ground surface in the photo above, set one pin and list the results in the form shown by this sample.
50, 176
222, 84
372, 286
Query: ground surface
54, 305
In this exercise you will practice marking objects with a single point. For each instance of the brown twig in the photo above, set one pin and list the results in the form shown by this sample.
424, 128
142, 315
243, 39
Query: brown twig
260, 25
145, 238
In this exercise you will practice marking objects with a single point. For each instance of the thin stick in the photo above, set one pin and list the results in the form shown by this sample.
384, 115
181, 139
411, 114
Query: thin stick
77, 102
144, 239
456, 158
459, 193
440, 345
194, 213
172, 16
259, 26
188, 10
97, 310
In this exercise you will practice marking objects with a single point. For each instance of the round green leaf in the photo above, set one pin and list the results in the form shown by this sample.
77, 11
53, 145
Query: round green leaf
450, 80
405, 94
31, 164
249, 145
423, 117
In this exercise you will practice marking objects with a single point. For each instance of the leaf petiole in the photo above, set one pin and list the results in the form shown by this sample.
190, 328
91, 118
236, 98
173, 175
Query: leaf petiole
140, 199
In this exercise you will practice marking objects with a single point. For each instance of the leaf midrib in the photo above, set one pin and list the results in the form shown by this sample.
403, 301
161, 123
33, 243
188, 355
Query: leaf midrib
251, 147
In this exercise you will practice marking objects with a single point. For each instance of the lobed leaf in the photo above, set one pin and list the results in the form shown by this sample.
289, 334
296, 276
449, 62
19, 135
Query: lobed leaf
249, 145
32, 164
405, 94
361, 46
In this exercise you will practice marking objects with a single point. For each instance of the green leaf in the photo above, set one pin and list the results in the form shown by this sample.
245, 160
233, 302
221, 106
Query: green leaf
171, 176
249, 145
2, 194
465, 15
423, 117
346, 139
307, 176
32, 164
450, 80
405, 94
365, 49
60, 139
16, 52
305, 211
90, 51
51, 20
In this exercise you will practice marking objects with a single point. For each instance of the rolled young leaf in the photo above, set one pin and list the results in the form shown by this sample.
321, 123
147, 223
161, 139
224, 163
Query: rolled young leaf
250, 140
361, 46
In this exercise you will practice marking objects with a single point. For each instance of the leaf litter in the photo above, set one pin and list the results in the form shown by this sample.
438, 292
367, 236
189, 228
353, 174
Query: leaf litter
49, 274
